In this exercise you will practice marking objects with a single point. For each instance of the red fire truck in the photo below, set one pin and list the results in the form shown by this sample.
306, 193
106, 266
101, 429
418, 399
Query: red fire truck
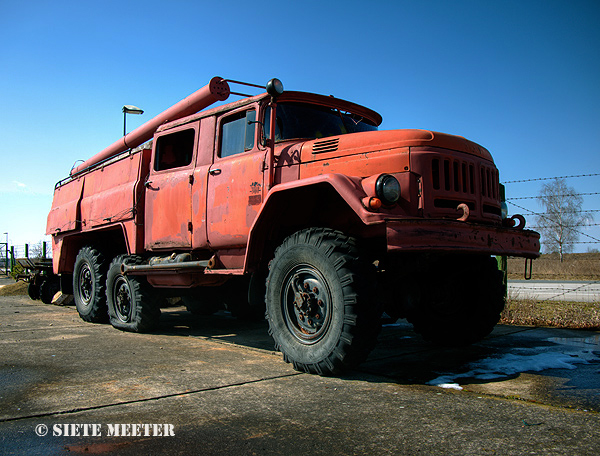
291, 205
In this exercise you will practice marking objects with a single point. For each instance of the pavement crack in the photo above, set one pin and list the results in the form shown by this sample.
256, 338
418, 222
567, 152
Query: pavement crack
148, 399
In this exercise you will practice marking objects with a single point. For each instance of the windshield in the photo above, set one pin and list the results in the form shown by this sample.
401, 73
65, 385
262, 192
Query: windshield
305, 121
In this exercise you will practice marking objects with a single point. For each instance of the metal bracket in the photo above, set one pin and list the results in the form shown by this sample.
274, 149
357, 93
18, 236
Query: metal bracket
528, 262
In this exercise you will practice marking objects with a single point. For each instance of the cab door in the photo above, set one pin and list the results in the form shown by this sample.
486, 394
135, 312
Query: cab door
168, 221
235, 180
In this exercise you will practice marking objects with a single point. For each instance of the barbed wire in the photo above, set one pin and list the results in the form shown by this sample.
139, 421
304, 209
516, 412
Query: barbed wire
550, 178
583, 242
558, 196
574, 212
560, 291
543, 214
597, 241
568, 226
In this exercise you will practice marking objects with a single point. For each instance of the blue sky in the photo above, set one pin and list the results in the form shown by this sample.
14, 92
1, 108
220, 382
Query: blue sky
522, 78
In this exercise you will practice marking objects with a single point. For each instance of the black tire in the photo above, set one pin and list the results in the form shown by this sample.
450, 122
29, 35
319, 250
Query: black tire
132, 304
319, 301
48, 289
89, 279
461, 302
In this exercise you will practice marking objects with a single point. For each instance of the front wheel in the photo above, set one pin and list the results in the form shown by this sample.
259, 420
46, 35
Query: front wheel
131, 304
461, 301
320, 305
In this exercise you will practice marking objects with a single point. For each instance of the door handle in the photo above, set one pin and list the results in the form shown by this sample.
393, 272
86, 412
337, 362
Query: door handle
214, 172
148, 184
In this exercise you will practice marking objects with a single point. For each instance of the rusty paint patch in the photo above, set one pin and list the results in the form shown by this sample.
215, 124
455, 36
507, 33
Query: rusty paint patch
253, 200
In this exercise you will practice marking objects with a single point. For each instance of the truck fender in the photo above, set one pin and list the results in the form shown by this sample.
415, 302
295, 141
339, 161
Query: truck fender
111, 241
288, 205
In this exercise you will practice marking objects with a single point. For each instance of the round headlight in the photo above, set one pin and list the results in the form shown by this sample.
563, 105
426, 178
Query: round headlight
387, 188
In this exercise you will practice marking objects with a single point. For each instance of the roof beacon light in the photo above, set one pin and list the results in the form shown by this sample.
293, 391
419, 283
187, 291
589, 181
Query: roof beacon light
274, 87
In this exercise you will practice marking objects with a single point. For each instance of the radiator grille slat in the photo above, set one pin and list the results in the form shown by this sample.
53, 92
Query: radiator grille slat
457, 179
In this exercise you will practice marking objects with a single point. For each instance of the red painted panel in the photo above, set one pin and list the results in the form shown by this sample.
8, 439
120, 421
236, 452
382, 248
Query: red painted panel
64, 215
235, 194
109, 193
204, 159
169, 201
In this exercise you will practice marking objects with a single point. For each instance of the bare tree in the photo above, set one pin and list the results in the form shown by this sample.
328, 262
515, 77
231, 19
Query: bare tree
559, 225
36, 251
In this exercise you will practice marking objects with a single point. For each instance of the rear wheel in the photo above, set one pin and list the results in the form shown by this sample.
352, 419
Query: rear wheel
132, 304
461, 302
48, 289
320, 305
33, 290
89, 277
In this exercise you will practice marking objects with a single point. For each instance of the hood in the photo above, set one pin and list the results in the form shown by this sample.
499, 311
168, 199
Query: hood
361, 143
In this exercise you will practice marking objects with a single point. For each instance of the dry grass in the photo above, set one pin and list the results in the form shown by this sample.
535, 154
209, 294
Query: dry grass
572, 315
14, 289
576, 266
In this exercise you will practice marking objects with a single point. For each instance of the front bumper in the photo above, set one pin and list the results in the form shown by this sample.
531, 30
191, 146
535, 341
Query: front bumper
453, 236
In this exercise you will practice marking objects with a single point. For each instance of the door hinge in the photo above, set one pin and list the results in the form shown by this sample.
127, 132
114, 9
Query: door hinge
190, 227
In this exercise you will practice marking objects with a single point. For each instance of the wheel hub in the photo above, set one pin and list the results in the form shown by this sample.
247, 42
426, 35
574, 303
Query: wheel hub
122, 299
85, 284
307, 305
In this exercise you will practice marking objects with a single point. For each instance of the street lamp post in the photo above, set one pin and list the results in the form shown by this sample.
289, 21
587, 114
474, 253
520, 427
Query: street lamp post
129, 109
6, 257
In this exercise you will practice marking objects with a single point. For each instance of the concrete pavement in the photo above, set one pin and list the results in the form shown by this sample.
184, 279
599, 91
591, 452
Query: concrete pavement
221, 389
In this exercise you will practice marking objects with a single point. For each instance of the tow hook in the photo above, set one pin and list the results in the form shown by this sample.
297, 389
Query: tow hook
465, 210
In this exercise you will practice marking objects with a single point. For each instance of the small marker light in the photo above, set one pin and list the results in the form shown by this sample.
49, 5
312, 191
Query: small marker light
372, 203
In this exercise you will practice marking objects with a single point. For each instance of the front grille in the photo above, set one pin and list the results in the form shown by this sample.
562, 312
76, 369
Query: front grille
489, 182
458, 176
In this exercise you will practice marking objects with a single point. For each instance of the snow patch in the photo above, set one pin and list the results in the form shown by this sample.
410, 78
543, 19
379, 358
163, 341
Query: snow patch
526, 360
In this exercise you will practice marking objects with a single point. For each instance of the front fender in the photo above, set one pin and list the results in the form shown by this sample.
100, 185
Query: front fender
286, 204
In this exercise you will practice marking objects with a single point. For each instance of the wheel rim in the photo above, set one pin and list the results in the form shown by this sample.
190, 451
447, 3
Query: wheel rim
86, 284
122, 294
306, 303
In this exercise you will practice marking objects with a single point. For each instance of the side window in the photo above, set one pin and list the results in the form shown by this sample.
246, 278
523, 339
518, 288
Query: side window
174, 150
237, 134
